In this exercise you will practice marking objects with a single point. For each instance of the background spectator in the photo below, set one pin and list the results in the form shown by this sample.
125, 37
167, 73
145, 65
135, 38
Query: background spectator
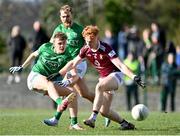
110, 39
123, 42
168, 76
170, 48
16, 46
135, 44
178, 56
131, 88
39, 37
147, 45
157, 48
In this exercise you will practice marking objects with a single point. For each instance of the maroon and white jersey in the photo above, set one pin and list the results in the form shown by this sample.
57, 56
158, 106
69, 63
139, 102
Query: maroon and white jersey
101, 58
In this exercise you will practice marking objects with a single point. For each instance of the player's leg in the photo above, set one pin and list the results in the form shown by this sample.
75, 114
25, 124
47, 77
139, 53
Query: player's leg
105, 108
114, 116
107, 120
67, 102
39, 83
73, 110
71, 101
104, 85
83, 90
80, 85
103, 100
118, 78
62, 91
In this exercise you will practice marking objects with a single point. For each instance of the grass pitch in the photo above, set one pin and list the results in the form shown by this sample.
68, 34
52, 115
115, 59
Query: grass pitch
29, 122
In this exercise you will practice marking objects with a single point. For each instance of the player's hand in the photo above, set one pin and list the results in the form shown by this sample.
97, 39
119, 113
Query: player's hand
64, 83
139, 81
52, 76
15, 69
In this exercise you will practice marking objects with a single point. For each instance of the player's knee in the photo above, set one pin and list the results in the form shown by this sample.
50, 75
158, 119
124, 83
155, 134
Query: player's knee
101, 87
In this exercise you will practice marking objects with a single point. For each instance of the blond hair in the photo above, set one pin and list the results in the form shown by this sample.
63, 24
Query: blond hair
66, 9
61, 36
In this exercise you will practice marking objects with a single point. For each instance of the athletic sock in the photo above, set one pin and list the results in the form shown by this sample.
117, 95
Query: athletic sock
74, 120
59, 100
94, 115
58, 115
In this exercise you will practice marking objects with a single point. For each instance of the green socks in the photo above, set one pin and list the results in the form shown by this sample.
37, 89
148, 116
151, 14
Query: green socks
73, 120
58, 114
59, 100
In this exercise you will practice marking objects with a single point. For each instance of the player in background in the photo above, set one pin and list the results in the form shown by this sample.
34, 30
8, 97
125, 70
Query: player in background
75, 42
51, 58
110, 69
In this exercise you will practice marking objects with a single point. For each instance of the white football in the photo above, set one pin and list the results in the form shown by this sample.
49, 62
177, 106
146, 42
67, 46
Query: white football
140, 112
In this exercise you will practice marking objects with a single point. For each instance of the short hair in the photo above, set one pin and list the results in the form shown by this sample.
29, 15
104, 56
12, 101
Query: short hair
65, 8
61, 36
90, 29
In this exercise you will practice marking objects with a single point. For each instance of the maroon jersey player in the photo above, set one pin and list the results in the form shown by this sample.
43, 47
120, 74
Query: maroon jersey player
110, 69
101, 58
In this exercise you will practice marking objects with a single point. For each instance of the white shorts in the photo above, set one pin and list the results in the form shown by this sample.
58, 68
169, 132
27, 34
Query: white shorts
31, 79
81, 69
119, 78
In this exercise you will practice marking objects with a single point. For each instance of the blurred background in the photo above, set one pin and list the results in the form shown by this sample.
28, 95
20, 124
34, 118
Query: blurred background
146, 31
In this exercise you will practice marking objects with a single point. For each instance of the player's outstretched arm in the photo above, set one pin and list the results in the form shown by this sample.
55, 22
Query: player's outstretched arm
121, 66
31, 57
70, 65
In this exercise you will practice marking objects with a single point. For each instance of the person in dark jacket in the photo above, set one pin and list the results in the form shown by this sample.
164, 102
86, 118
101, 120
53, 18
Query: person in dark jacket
39, 37
169, 73
16, 45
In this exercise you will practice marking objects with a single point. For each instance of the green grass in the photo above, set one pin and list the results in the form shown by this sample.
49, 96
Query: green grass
29, 122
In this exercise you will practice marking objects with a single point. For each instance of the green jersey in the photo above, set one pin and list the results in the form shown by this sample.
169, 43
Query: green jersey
75, 40
50, 62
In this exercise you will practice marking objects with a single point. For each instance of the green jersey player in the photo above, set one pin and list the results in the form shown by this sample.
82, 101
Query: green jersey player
50, 62
75, 40
51, 58
74, 44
